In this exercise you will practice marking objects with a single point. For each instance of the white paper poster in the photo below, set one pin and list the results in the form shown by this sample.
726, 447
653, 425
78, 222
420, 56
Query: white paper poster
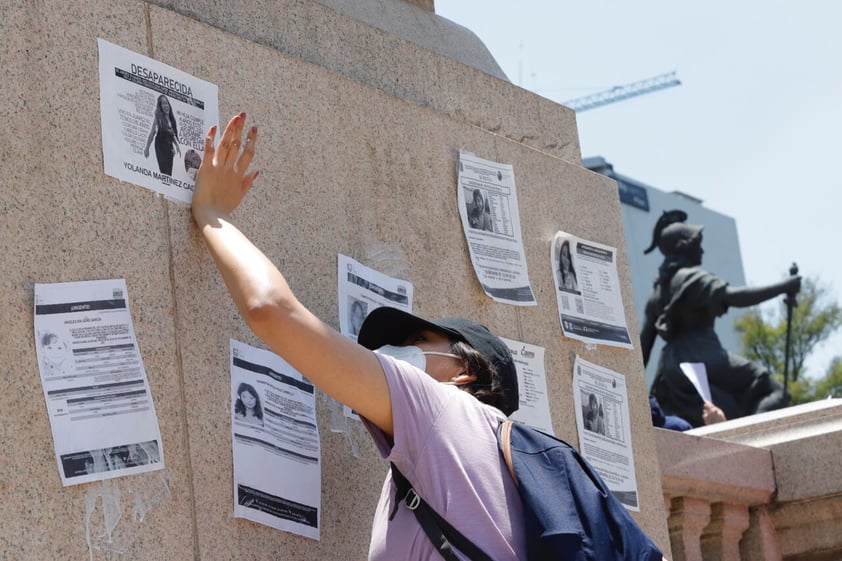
154, 120
534, 409
276, 446
602, 417
697, 373
590, 304
98, 398
487, 201
362, 290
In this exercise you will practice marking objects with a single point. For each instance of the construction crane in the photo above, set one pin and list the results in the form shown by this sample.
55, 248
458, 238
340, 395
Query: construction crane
619, 93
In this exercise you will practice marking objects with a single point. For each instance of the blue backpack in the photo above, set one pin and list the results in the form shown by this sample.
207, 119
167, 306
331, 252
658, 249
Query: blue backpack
568, 510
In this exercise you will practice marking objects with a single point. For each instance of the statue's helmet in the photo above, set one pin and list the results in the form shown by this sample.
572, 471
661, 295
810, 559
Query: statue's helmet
677, 238
667, 217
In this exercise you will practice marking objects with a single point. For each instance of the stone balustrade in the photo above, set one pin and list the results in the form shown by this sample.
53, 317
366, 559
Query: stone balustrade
764, 488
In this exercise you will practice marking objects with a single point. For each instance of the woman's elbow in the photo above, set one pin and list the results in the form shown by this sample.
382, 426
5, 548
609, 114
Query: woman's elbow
260, 313
268, 314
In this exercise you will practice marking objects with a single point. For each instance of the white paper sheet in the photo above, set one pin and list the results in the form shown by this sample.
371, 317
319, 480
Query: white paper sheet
97, 394
534, 407
487, 200
276, 445
362, 290
131, 86
697, 373
590, 304
602, 417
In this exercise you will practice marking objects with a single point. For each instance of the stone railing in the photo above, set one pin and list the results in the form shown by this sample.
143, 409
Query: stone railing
765, 488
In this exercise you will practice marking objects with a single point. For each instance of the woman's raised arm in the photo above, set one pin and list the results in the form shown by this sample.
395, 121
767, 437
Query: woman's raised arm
341, 368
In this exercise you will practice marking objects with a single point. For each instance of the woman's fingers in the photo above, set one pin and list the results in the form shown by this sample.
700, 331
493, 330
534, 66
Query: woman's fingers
225, 167
209, 149
229, 144
247, 156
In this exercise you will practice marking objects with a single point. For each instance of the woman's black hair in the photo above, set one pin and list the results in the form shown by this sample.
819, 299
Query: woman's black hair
45, 339
159, 114
572, 269
487, 387
239, 406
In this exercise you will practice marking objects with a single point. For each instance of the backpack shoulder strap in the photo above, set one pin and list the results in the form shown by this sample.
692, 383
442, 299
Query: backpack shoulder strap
440, 532
504, 439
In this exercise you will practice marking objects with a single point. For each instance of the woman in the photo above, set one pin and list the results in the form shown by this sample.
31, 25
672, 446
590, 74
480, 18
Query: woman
594, 416
418, 408
247, 407
358, 313
567, 273
479, 216
682, 309
165, 132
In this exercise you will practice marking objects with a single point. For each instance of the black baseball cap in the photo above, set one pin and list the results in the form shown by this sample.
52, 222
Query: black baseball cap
390, 326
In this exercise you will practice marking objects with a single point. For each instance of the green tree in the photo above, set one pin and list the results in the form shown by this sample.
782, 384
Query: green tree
814, 319
831, 384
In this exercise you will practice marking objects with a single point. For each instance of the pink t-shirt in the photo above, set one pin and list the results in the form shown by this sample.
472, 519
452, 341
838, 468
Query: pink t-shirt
446, 445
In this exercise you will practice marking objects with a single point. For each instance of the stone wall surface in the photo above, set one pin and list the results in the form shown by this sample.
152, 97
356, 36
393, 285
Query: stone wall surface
359, 160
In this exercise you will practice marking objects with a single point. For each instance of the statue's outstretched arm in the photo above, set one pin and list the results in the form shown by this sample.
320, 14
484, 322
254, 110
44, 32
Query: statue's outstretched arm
744, 296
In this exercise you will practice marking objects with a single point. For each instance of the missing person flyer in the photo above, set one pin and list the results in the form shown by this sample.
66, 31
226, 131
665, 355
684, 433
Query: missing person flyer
601, 402
590, 304
534, 406
361, 290
488, 207
276, 446
154, 120
98, 398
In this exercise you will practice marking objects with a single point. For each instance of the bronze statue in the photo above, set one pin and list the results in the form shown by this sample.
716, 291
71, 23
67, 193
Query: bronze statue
685, 302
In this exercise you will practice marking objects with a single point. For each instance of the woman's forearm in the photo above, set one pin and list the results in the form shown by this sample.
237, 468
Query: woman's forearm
338, 366
341, 368
254, 282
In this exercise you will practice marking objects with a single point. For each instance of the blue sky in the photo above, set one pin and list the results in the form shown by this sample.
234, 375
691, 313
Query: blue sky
753, 131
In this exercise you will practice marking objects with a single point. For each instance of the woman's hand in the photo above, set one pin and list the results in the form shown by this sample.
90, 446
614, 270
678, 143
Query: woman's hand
223, 178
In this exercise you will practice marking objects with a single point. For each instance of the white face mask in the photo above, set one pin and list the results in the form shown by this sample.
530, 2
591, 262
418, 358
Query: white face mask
411, 354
